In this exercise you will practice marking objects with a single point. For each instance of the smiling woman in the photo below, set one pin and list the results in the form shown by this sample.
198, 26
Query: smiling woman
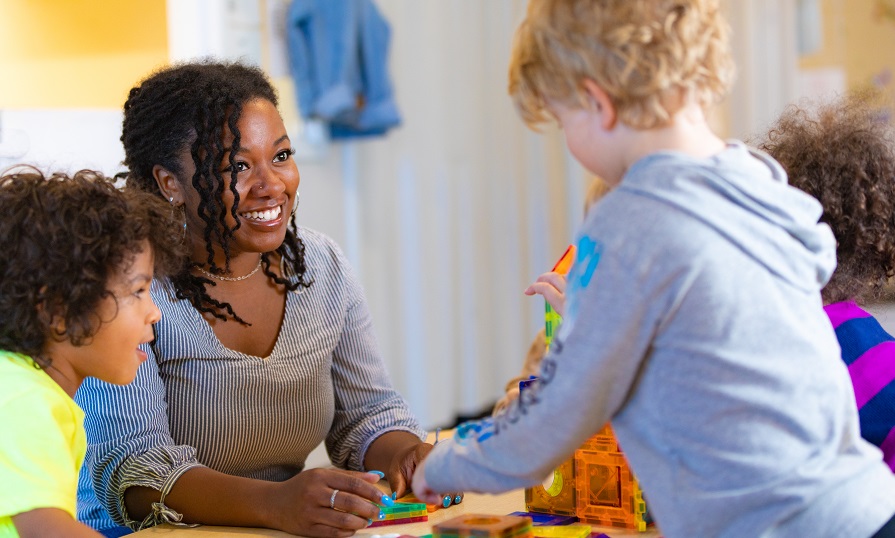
265, 348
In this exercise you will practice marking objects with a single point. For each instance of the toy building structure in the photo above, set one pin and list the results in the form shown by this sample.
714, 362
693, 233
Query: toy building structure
596, 485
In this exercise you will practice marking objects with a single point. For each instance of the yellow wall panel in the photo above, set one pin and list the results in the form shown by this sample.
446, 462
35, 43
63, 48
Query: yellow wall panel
859, 37
78, 53
870, 37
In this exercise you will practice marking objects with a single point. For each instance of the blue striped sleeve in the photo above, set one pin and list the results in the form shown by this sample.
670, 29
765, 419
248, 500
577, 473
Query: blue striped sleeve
858, 335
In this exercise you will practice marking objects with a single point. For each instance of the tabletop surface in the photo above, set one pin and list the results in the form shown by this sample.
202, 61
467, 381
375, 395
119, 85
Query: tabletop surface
472, 504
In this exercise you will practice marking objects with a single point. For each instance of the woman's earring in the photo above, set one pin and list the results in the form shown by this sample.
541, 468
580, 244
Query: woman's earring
182, 215
295, 205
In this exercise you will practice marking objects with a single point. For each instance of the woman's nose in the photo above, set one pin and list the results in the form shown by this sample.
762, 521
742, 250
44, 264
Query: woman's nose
269, 184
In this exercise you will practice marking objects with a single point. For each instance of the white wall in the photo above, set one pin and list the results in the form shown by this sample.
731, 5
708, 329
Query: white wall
62, 139
764, 44
449, 217
457, 215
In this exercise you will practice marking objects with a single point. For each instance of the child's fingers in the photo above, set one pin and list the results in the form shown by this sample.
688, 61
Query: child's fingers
557, 280
553, 296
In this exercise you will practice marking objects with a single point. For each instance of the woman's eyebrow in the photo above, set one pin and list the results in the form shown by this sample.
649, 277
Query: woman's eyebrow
243, 149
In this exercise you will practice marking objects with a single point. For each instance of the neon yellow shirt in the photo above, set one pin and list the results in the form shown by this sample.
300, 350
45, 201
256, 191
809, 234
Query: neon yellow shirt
42, 442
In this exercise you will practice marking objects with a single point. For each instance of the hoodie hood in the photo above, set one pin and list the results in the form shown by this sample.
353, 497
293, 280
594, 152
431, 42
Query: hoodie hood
743, 193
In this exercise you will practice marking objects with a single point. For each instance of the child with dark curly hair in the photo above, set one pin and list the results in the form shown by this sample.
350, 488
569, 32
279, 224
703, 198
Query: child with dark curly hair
843, 154
78, 258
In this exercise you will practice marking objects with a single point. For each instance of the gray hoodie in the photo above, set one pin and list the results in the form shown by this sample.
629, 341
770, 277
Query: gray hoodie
694, 323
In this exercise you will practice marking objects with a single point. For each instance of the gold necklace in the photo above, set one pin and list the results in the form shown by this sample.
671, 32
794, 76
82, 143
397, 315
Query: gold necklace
230, 278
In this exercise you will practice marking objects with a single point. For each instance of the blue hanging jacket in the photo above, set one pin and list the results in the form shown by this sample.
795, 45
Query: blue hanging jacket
338, 52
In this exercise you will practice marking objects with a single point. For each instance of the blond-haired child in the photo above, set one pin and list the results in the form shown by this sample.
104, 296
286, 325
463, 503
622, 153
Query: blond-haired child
694, 321
78, 257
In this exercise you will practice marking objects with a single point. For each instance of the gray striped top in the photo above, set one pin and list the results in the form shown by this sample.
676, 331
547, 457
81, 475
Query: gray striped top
196, 402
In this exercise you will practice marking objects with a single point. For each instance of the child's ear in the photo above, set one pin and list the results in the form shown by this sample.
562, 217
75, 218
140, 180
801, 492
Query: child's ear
55, 322
57, 326
602, 104
168, 184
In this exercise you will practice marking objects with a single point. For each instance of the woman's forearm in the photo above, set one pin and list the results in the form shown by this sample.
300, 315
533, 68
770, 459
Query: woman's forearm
383, 450
206, 496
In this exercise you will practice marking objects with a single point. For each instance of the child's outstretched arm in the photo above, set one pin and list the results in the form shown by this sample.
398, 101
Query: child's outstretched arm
552, 286
588, 375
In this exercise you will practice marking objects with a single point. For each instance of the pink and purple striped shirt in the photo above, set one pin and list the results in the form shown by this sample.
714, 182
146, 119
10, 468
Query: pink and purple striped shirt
869, 352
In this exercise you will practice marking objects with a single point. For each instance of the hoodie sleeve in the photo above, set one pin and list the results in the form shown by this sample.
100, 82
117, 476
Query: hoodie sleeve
590, 372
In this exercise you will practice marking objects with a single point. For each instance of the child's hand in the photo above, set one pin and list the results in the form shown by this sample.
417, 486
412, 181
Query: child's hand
507, 399
553, 287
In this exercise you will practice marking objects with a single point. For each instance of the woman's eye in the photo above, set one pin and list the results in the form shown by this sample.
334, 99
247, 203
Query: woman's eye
240, 167
284, 155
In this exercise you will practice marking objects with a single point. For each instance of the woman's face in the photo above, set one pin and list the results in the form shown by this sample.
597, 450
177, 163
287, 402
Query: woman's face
267, 181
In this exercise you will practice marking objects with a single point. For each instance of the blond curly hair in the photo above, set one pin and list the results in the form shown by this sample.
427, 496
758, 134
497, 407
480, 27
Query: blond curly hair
649, 56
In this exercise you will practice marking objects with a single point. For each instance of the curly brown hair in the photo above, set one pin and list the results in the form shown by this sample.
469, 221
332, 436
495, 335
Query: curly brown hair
61, 239
189, 107
841, 152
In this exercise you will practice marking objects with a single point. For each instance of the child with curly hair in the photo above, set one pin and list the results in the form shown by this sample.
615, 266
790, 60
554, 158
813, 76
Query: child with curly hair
843, 153
78, 258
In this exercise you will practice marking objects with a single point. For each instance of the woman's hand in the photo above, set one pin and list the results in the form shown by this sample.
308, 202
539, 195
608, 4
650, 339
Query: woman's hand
553, 287
421, 488
403, 464
410, 470
328, 503
407, 453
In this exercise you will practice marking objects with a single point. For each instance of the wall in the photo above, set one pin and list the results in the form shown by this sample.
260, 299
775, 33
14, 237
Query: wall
764, 48
856, 48
67, 69
84, 54
450, 216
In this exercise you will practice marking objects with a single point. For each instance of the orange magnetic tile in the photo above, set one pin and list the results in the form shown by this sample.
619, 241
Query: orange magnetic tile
484, 525
557, 496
